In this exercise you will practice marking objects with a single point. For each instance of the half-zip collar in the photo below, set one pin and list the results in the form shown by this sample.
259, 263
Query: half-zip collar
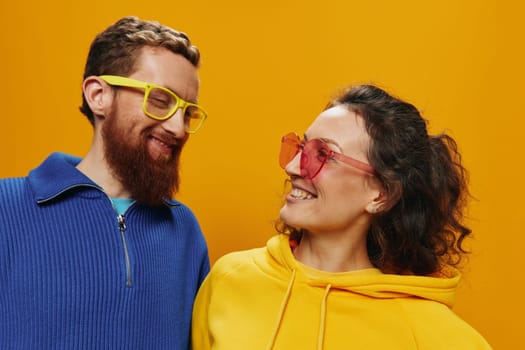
58, 174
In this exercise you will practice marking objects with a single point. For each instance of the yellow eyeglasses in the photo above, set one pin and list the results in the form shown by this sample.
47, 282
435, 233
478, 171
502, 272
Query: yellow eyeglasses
161, 103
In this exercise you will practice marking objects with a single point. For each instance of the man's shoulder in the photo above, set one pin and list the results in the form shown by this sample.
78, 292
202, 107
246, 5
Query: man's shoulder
12, 181
12, 186
15, 200
180, 210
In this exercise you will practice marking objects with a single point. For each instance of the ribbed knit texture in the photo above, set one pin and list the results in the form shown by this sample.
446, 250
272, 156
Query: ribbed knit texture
63, 268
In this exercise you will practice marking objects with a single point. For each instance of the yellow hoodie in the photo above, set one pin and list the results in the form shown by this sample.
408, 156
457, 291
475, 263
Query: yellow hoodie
264, 299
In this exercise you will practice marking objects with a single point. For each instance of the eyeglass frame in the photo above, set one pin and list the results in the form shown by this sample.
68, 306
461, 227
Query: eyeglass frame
117, 80
331, 154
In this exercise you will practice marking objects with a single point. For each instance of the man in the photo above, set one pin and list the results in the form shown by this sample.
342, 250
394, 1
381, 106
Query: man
94, 253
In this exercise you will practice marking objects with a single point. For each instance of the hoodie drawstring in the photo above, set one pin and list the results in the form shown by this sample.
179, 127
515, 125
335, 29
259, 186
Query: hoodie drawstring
322, 319
281, 312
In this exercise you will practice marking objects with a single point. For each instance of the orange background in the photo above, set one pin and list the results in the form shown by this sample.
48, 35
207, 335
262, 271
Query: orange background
268, 68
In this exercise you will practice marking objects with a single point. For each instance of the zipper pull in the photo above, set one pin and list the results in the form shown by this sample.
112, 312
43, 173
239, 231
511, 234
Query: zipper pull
121, 223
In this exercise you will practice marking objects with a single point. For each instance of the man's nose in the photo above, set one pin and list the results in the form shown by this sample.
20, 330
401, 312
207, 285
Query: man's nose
175, 124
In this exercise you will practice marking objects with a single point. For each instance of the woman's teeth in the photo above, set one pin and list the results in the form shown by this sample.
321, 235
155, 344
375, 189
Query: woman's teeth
300, 194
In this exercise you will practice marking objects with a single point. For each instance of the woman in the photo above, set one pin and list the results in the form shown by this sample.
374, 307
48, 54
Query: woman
370, 236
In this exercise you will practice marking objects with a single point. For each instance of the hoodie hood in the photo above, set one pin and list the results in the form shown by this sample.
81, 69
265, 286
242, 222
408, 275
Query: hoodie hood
370, 282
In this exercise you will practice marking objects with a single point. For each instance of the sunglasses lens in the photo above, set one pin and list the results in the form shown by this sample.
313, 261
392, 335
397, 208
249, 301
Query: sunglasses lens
313, 157
289, 149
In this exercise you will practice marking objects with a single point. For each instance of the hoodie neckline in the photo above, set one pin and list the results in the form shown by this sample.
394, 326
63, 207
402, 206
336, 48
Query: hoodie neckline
369, 282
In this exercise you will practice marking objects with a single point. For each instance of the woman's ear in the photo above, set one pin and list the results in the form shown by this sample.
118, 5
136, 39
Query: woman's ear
377, 205
96, 95
386, 199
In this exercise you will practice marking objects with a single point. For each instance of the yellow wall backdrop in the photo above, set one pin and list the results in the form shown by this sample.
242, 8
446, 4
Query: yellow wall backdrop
268, 68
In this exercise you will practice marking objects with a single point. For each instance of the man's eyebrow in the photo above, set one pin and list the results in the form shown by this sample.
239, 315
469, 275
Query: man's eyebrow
176, 93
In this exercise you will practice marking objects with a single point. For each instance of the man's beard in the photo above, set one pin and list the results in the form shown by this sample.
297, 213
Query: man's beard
148, 180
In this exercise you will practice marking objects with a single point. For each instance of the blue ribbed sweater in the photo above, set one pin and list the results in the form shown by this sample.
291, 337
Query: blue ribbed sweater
75, 275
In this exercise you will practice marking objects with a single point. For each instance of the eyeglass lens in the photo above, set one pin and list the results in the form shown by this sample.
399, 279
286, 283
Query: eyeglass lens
161, 105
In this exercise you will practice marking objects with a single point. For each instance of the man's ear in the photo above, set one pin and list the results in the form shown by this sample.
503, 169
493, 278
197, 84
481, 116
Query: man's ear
97, 95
